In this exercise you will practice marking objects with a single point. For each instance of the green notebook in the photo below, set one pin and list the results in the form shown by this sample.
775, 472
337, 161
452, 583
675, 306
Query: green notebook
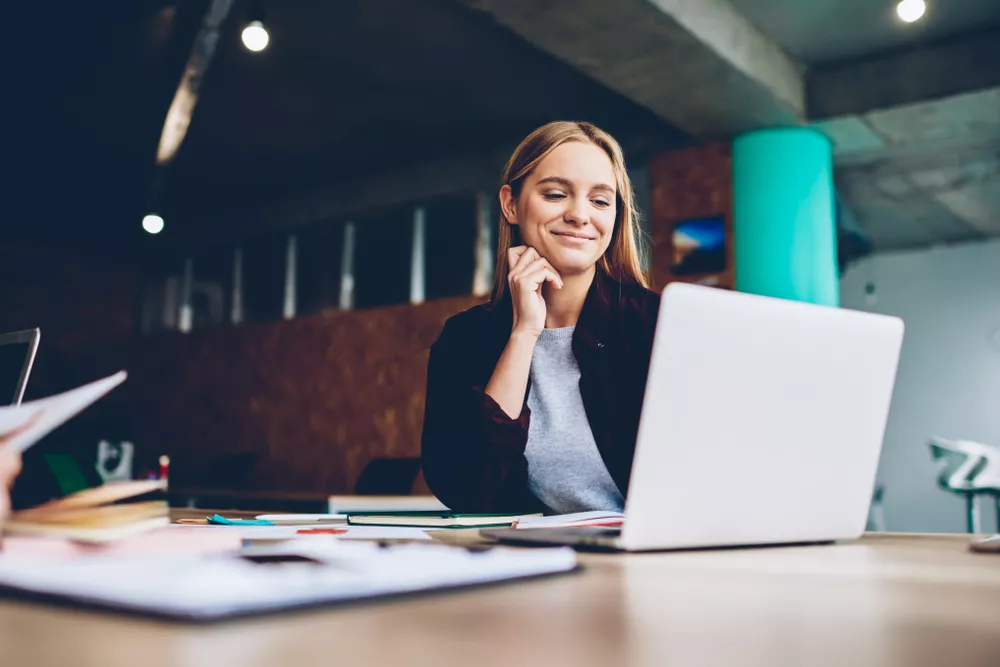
434, 519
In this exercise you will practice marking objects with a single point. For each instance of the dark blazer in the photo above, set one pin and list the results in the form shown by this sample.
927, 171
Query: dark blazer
473, 452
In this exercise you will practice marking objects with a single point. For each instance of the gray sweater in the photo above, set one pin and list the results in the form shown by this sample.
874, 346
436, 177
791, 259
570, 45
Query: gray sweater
565, 469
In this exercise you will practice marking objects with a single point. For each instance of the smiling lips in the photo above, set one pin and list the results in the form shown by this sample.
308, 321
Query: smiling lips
577, 236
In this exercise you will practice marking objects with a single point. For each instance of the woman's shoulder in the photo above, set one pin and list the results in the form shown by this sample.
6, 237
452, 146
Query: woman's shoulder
473, 323
642, 295
639, 300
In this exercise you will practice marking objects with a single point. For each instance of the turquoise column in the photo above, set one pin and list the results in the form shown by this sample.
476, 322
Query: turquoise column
783, 205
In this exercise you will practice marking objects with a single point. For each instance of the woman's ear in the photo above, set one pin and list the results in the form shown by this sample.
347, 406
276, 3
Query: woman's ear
508, 205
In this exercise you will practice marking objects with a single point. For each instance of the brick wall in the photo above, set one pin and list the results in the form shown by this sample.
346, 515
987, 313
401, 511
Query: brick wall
690, 183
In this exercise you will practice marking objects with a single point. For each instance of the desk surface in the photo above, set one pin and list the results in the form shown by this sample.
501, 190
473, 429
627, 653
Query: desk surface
886, 600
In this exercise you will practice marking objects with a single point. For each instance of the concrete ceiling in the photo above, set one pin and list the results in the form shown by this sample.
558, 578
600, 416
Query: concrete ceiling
821, 31
922, 173
912, 110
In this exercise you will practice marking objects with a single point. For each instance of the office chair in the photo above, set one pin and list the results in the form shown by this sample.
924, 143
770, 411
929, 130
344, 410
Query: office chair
388, 477
970, 469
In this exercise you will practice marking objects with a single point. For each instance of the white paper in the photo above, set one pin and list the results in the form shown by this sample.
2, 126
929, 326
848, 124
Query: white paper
594, 518
350, 532
207, 587
23, 425
384, 533
302, 518
270, 532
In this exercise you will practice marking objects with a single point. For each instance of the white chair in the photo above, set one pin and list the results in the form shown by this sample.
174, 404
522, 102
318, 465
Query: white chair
971, 469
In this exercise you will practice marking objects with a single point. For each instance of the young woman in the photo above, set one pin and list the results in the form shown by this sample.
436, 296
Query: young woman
533, 400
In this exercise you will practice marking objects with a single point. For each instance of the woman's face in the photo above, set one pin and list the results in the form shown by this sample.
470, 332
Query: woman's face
567, 207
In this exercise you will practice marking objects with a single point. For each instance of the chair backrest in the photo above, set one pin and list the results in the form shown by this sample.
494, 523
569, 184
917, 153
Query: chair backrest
388, 477
967, 465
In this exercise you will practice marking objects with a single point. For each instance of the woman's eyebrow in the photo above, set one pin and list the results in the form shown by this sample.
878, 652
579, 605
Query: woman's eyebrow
567, 183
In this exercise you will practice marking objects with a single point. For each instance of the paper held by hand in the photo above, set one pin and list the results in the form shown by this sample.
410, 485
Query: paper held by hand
23, 425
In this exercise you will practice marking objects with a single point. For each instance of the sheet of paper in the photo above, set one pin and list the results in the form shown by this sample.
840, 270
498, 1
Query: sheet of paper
385, 533
338, 532
302, 518
594, 518
166, 541
209, 587
277, 532
23, 425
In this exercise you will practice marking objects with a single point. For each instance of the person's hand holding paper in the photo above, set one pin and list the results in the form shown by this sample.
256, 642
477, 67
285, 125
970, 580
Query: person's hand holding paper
10, 466
23, 425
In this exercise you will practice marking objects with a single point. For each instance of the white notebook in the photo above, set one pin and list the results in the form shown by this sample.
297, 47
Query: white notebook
220, 586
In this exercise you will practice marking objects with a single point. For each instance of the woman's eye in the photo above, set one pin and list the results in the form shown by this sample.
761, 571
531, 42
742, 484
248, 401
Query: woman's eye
602, 203
552, 196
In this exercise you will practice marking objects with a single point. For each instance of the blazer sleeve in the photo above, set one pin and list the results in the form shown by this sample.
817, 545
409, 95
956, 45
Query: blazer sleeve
472, 452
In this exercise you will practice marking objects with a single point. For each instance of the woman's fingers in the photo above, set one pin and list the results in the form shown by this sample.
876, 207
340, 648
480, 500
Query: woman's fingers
518, 255
536, 278
554, 278
537, 272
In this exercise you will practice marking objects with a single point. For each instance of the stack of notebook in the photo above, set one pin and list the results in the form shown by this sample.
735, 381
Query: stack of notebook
114, 511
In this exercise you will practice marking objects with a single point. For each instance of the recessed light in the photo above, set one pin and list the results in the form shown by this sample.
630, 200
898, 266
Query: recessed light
152, 223
910, 11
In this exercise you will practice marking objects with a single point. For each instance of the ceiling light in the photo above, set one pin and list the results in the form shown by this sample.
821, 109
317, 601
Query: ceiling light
152, 223
911, 10
255, 36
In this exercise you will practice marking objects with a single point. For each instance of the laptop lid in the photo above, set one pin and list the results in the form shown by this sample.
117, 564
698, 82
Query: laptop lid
762, 422
17, 354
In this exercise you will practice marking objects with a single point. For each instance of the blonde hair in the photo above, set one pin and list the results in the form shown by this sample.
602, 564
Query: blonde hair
622, 260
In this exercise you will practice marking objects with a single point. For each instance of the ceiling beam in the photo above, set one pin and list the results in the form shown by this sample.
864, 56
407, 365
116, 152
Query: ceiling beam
186, 97
963, 64
698, 64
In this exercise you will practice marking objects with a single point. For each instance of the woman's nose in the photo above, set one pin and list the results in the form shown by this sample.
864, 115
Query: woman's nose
576, 212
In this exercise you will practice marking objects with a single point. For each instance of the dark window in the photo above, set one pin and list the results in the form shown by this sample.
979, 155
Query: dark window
382, 254
450, 246
212, 287
264, 278
161, 294
320, 249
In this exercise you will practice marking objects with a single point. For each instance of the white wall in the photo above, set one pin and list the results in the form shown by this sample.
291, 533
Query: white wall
948, 383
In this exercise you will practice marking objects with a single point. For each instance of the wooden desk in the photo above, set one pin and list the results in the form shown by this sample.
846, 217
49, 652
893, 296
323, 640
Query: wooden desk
887, 600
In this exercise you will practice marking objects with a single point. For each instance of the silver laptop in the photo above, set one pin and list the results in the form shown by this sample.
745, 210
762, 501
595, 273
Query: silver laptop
17, 354
762, 424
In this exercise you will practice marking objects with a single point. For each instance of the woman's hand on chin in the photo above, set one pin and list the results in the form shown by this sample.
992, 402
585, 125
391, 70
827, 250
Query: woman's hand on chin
528, 272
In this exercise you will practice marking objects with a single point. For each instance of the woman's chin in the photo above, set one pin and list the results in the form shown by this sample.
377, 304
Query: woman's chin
572, 266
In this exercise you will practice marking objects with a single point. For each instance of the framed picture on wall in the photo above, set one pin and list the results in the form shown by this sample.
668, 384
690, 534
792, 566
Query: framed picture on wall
698, 248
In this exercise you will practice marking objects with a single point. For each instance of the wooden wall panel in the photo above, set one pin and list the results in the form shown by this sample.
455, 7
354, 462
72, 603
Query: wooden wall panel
307, 402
